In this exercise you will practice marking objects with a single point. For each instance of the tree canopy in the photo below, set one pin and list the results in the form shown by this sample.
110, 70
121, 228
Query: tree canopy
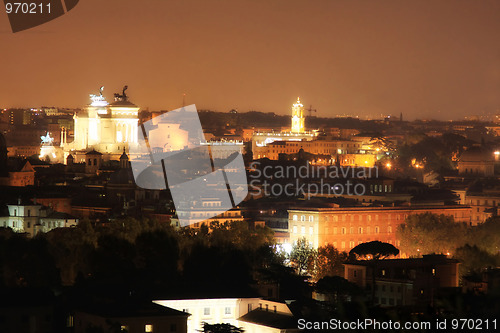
431, 233
374, 250
220, 328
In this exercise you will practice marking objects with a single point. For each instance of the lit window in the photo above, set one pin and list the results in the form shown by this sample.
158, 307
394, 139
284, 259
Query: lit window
310, 218
302, 217
303, 230
227, 310
311, 230
148, 328
206, 311
294, 229
295, 218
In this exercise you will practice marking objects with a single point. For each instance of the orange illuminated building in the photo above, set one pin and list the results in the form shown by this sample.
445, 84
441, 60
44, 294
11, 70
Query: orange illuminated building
346, 227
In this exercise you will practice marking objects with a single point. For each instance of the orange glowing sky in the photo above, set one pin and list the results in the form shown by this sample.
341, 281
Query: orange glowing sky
436, 58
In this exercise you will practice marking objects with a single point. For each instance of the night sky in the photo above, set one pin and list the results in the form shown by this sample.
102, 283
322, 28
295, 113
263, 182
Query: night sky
436, 58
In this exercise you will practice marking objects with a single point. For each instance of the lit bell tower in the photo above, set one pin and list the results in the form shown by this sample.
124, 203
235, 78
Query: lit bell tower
298, 117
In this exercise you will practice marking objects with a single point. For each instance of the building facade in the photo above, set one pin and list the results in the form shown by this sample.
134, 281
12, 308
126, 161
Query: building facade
105, 127
404, 282
346, 227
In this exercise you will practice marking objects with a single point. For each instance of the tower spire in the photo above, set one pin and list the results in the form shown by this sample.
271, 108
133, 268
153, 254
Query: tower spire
298, 120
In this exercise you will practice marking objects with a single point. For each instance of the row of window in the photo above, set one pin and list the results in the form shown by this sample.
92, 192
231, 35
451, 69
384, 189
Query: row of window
50, 224
303, 218
343, 231
358, 217
380, 188
206, 311
486, 203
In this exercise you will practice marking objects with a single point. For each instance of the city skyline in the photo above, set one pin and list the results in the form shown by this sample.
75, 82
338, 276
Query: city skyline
426, 60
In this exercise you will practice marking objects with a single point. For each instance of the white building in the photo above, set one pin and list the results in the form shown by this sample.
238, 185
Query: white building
32, 218
239, 312
107, 128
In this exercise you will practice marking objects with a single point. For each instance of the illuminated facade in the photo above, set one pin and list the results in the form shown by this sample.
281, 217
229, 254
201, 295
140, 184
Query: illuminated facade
346, 227
107, 128
298, 120
328, 150
262, 140
239, 312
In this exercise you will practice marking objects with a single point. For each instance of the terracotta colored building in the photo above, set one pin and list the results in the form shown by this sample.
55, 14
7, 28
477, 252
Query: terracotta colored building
346, 227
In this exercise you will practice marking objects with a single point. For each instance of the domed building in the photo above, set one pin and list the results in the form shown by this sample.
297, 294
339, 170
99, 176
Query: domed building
477, 161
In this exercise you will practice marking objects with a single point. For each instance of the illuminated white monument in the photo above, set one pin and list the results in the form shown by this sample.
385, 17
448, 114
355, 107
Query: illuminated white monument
48, 151
107, 128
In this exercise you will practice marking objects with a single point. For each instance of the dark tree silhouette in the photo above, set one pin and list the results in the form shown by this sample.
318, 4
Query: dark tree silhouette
374, 251
220, 328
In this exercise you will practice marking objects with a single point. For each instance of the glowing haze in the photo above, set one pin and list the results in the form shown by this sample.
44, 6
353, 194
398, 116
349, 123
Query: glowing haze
438, 59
